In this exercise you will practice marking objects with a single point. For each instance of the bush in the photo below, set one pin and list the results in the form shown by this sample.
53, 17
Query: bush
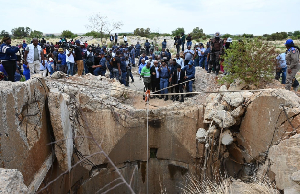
252, 61
197, 33
178, 32
67, 34
142, 32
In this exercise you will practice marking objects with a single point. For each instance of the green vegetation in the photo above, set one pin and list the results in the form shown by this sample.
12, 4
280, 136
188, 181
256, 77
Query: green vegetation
68, 34
21, 32
253, 61
142, 32
197, 33
36, 34
178, 32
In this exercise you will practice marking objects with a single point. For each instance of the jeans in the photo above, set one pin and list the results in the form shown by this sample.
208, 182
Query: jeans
283, 72
133, 60
115, 73
70, 68
202, 60
189, 86
123, 78
163, 84
86, 68
189, 43
206, 64
99, 71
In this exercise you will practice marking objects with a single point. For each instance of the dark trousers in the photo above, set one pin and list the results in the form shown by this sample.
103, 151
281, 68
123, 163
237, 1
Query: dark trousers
147, 51
178, 48
155, 84
10, 68
179, 89
182, 45
186, 62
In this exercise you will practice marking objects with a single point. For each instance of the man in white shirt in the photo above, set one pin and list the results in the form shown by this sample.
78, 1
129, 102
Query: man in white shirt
179, 61
188, 55
70, 61
201, 56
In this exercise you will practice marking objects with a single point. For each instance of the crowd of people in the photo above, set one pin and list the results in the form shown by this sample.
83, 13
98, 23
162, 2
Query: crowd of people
161, 72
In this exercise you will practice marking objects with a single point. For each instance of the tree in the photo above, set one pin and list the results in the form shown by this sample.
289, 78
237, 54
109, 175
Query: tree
36, 34
197, 33
252, 61
67, 34
227, 36
178, 32
21, 32
102, 24
142, 32
296, 33
3, 33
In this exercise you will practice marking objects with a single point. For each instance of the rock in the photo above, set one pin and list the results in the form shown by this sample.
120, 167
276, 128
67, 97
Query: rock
201, 135
223, 88
264, 123
60, 120
296, 177
223, 119
11, 181
226, 137
238, 112
238, 84
235, 99
285, 163
58, 75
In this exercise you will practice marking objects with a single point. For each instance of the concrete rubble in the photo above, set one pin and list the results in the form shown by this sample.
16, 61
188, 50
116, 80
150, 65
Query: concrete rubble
239, 133
11, 181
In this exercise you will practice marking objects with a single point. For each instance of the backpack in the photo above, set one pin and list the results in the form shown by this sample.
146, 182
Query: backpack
216, 45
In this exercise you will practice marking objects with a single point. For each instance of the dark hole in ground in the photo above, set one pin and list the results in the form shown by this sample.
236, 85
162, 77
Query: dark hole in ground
153, 152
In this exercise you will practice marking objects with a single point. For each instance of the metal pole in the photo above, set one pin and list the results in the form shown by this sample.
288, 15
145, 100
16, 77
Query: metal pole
147, 145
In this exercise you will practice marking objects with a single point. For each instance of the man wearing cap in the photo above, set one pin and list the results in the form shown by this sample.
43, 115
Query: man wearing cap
292, 62
101, 68
216, 50
190, 74
78, 57
164, 74
8, 57
33, 56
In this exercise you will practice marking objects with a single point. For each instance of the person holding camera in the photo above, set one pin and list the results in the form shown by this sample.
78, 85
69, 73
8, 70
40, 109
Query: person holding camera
8, 57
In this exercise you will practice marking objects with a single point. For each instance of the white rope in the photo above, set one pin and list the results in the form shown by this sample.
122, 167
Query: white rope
147, 142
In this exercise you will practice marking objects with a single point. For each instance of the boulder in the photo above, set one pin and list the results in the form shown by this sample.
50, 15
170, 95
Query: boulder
11, 181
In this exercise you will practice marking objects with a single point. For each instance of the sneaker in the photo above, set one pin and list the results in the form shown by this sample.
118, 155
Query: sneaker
172, 98
182, 100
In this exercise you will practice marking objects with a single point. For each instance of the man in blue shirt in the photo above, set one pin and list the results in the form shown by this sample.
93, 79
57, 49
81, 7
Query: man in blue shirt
201, 55
62, 64
24, 45
143, 64
101, 68
132, 55
143, 57
8, 57
147, 47
164, 44
123, 67
206, 55
281, 69
164, 74
190, 74
138, 49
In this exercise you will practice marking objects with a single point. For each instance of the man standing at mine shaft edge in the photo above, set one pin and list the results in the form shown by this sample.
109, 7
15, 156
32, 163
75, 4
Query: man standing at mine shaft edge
292, 61
33, 56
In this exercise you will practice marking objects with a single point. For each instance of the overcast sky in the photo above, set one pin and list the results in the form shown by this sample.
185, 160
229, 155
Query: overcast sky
227, 16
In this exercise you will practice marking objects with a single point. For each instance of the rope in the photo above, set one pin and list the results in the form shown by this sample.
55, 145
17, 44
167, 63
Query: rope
147, 97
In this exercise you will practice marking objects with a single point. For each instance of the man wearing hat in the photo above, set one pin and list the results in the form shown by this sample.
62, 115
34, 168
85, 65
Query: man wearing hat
33, 56
8, 57
216, 50
62, 61
292, 61
190, 74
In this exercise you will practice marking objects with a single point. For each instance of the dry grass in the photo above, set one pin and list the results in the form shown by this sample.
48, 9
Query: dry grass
226, 186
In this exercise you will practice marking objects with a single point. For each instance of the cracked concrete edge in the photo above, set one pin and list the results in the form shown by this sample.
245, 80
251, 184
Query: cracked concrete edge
40, 175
